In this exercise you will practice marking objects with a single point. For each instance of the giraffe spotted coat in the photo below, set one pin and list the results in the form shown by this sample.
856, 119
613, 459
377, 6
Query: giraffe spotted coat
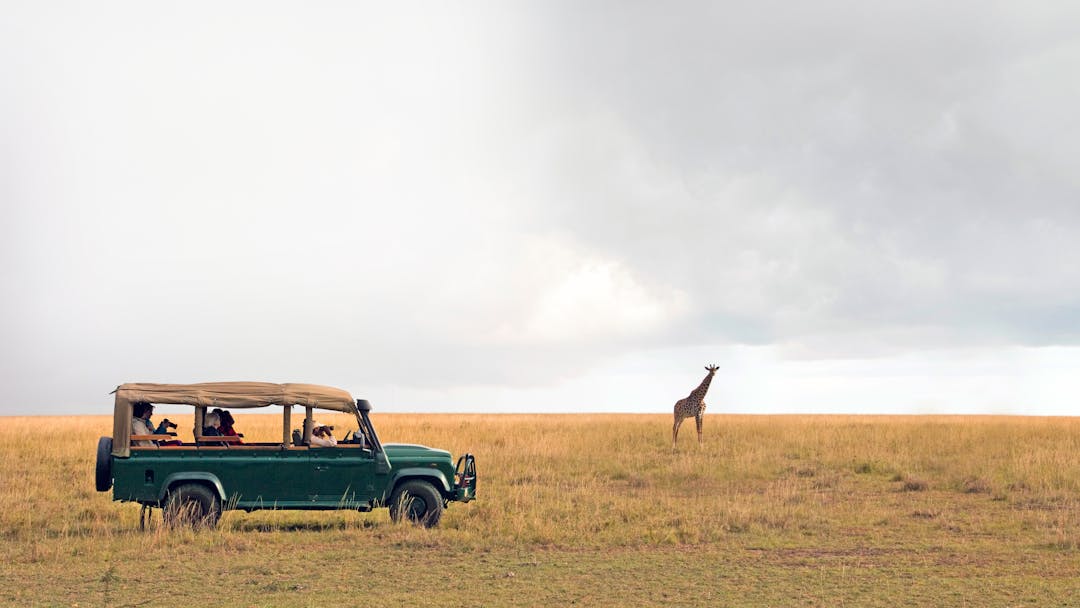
692, 406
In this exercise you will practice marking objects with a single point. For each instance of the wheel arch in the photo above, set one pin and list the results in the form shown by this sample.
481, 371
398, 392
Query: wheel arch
207, 479
436, 478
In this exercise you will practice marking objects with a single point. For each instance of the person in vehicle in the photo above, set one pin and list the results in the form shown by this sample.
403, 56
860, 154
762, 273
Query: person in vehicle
322, 436
211, 428
226, 427
141, 424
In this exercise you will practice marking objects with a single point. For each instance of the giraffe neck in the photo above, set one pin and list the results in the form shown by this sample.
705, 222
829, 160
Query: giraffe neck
699, 393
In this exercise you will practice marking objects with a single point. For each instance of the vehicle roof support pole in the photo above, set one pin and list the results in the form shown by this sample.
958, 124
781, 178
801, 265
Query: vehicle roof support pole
309, 418
200, 415
122, 427
286, 438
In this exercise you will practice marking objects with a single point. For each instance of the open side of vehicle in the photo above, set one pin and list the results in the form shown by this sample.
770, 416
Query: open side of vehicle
194, 482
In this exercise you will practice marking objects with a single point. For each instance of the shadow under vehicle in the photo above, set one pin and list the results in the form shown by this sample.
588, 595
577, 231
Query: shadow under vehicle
194, 482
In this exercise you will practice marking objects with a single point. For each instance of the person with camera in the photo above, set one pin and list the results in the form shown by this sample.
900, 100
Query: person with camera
322, 436
141, 425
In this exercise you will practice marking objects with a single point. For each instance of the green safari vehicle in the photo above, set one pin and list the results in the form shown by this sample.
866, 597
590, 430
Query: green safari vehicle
194, 482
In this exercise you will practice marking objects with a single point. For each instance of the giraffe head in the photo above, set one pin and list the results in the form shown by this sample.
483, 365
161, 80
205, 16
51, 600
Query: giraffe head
712, 369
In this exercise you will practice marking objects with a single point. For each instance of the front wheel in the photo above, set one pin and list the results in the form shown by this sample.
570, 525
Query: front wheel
192, 505
418, 501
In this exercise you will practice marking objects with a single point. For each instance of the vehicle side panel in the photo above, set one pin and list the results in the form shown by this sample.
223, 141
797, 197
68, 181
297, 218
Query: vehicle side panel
250, 478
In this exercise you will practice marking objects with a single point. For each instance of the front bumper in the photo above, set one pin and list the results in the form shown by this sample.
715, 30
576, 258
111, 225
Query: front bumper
465, 478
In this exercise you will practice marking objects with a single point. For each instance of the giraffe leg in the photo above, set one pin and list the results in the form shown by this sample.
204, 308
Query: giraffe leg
698, 419
680, 414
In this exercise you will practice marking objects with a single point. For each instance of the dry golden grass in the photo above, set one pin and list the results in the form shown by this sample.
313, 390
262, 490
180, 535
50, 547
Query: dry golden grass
597, 509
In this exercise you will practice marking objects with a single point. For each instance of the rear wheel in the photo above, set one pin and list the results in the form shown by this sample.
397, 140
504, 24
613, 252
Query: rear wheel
192, 505
418, 501
103, 471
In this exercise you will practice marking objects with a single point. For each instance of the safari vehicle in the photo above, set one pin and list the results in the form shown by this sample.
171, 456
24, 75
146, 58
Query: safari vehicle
194, 482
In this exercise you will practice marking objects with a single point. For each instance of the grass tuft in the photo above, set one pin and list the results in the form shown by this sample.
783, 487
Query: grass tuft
976, 485
915, 484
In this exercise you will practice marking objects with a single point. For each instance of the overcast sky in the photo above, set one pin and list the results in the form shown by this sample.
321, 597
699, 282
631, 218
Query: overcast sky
545, 206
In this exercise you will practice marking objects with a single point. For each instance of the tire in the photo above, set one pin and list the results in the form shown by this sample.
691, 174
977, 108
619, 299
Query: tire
103, 471
418, 501
192, 505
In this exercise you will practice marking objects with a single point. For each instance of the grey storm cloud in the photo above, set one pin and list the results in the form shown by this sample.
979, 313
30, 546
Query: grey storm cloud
829, 168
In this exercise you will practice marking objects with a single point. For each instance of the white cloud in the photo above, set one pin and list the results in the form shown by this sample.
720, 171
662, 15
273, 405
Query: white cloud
599, 300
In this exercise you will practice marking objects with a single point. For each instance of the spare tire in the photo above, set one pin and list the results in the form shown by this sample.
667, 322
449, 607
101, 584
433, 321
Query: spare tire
103, 473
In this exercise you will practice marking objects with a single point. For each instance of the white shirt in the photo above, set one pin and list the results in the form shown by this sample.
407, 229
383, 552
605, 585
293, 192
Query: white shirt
323, 442
139, 427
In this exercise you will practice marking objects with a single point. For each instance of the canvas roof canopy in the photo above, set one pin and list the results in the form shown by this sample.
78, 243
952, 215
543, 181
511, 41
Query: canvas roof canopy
226, 395
239, 395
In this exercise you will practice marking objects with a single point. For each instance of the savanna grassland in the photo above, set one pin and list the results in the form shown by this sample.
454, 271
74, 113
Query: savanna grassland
593, 510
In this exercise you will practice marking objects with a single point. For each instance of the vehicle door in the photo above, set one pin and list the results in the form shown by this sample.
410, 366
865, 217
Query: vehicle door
342, 475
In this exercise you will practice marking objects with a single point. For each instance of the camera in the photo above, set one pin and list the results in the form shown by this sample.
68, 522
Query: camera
169, 424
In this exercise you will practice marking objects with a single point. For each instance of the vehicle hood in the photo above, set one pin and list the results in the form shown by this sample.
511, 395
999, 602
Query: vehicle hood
413, 451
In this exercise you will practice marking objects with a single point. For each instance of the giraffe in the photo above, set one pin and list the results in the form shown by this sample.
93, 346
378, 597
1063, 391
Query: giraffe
694, 405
